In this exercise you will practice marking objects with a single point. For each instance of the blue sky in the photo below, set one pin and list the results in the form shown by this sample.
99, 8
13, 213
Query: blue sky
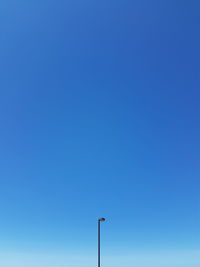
99, 116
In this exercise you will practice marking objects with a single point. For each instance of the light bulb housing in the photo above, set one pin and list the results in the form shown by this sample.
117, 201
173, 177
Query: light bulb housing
101, 219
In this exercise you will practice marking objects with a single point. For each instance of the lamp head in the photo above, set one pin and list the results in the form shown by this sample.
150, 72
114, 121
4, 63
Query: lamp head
101, 219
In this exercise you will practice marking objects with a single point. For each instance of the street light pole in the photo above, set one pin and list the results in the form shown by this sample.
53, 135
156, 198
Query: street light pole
99, 221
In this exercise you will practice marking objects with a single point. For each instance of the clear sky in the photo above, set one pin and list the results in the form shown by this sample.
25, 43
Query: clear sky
99, 116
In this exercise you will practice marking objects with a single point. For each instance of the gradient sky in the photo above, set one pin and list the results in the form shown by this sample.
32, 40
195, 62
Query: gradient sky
99, 116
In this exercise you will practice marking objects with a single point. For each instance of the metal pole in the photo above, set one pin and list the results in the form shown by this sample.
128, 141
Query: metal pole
99, 221
98, 243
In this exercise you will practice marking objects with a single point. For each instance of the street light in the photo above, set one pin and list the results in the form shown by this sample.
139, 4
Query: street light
99, 221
